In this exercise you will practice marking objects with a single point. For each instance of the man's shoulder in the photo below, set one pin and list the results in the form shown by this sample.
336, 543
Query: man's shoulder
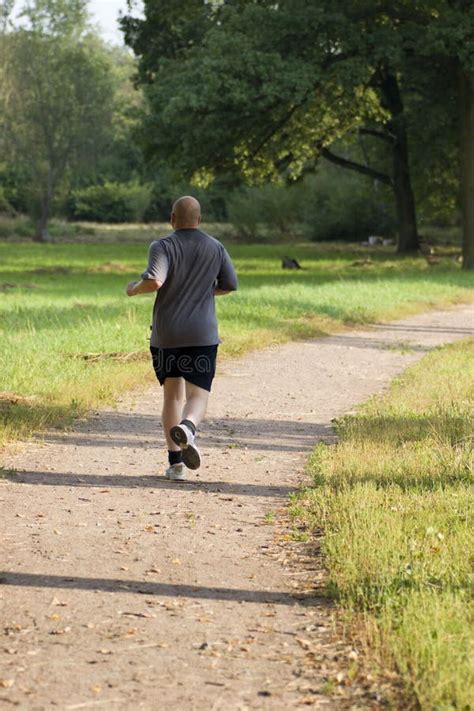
212, 240
161, 241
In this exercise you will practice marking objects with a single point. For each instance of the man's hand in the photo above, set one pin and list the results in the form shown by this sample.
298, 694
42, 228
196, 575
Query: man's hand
130, 288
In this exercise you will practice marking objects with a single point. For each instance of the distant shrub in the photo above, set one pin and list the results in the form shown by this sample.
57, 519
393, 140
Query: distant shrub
266, 213
110, 202
5, 206
59, 229
245, 214
345, 207
329, 205
19, 226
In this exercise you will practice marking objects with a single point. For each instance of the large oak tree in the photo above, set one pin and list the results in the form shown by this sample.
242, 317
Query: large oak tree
267, 88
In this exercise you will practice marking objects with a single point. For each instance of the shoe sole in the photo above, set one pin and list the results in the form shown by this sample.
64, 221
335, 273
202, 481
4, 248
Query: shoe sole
191, 456
180, 477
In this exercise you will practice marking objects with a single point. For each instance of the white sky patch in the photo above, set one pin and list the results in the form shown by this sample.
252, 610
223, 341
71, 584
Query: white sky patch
104, 14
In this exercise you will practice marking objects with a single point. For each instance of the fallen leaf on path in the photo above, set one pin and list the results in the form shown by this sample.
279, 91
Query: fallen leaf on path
58, 603
6, 683
104, 651
61, 630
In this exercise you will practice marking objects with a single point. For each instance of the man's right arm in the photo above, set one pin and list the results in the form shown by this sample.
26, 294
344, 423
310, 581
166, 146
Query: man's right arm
155, 274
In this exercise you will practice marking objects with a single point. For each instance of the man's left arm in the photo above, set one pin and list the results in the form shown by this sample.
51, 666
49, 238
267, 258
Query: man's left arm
155, 274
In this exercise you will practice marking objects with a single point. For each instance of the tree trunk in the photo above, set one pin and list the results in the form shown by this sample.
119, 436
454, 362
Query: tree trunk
466, 147
404, 198
42, 233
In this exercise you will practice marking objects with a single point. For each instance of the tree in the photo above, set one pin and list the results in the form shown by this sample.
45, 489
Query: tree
60, 103
267, 88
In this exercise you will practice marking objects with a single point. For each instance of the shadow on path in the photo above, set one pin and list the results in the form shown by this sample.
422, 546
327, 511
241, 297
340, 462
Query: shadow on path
158, 589
130, 429
425, 329
140, 482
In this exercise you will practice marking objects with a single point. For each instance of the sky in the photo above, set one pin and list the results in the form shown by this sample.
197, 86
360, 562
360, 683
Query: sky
105, 13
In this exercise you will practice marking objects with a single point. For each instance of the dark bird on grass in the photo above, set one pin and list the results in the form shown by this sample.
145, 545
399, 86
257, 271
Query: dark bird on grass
289, 263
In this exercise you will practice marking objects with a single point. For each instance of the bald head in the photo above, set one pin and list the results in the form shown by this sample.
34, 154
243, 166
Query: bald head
186, 213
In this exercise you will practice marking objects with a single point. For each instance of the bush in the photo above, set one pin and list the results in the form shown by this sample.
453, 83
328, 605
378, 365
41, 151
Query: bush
329, 205
5, 206
245, 214
110, 202
269, 212
341, 206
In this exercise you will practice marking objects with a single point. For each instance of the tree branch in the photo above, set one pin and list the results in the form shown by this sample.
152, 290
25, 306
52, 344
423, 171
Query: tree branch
387, 137
352, 165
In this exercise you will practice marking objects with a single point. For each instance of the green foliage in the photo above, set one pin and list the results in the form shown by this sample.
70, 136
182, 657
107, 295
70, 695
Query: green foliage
346, 207
5, 206
394, 498
325, 206
265, 213
57, 102
265, 88
247, 91
111, 202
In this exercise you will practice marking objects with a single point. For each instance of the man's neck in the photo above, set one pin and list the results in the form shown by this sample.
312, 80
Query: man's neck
186, 227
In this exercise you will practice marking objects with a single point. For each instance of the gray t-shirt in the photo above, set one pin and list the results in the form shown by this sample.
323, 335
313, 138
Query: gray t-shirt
190, 264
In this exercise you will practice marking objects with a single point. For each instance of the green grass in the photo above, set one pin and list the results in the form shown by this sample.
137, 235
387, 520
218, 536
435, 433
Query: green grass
61, 301
394, 503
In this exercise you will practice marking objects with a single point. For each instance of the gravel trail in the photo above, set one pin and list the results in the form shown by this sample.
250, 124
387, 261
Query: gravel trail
122, 590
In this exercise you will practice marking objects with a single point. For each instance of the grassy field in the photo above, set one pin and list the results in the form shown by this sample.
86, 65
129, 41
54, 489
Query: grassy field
61, 302
393, 502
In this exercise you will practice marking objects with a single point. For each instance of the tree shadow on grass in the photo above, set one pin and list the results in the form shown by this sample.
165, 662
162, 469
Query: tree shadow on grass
403, 481
400, 429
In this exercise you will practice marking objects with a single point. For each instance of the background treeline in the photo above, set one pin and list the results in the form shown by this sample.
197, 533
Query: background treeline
88, 132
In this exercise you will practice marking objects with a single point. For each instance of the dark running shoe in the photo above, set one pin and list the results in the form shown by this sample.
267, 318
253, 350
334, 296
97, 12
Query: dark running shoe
184, 438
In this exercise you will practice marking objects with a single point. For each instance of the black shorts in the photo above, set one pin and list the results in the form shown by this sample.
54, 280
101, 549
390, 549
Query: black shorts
196, 364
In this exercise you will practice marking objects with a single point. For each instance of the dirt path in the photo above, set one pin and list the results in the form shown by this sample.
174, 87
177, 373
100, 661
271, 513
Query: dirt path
122, 590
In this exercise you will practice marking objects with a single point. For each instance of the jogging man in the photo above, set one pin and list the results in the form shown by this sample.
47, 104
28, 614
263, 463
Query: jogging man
187, 269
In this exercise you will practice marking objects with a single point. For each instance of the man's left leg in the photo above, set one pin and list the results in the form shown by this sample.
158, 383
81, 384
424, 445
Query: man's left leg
196, 404
183, 434
173, 401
